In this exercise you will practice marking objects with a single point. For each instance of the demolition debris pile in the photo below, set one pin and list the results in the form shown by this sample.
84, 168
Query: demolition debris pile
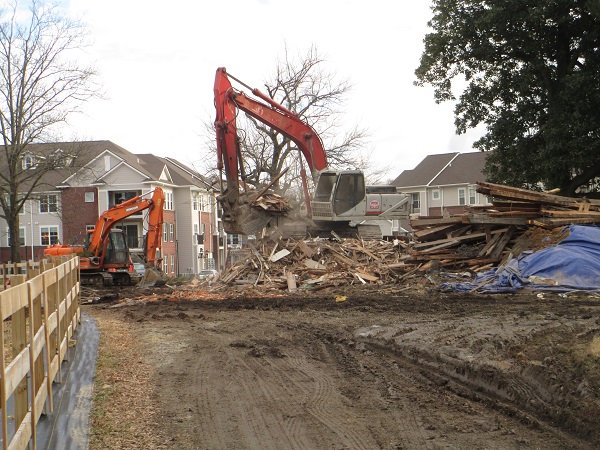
480, 238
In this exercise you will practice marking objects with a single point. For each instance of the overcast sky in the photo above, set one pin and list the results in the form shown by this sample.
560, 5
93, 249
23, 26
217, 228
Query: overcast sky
158, 59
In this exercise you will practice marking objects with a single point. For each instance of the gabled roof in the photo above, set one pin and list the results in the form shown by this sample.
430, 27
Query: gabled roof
153, 168
444, 169
179, 174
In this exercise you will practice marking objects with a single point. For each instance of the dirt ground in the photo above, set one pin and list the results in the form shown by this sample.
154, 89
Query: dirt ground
369, 369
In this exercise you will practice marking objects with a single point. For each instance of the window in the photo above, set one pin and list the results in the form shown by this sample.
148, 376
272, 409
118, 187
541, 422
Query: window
435, 195
49, 235
205, 202
131, 236
24, 210
89, 228
121, 197
416, 202
462, 197
89, 197
172, 263
195, 228
62, 159
165, 232
195, 201
472, 196
171, 232
28, 162
48, 203
169, 201
233, 239
22, 242
166, 264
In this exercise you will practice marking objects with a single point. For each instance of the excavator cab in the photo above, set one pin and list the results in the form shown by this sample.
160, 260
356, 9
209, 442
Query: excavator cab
337, 193
117, 252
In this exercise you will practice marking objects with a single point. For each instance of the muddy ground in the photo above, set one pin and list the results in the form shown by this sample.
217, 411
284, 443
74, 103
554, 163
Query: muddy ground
389, 369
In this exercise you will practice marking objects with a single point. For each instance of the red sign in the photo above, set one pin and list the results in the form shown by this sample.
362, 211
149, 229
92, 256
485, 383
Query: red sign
374, 204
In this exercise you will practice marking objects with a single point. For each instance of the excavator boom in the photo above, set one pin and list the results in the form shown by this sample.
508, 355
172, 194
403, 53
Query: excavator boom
341, 197
238, 214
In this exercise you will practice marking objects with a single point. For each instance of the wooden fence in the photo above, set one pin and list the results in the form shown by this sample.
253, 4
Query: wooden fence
40, 312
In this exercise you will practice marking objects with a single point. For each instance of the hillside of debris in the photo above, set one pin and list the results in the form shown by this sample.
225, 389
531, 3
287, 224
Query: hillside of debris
481, 238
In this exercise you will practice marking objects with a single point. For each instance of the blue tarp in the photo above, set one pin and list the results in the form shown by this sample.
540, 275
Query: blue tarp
572, 264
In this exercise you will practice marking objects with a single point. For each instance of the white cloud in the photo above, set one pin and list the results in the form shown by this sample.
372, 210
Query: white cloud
158, 61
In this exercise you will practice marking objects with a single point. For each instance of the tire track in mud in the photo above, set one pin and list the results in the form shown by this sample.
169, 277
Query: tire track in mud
272, 403
484, 385
323, 404
247, 415
282, 402
308, 398
328, 380
402, 419
400, 370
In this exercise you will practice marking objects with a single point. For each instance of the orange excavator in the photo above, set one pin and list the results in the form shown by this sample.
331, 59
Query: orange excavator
342, 202
105, 258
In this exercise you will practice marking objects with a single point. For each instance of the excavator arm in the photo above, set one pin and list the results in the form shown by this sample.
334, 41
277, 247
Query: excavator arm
238, 217
228, 101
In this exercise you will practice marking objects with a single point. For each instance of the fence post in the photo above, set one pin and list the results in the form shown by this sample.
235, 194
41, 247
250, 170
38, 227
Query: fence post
19, 336
3, 398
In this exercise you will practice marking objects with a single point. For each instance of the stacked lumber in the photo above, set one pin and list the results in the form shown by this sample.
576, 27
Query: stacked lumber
543, 209
483, 236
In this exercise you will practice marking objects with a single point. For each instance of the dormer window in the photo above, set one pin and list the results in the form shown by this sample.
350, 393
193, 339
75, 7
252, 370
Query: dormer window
28, 162
63, 159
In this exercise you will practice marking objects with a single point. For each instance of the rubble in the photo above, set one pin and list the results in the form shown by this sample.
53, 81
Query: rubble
476, 240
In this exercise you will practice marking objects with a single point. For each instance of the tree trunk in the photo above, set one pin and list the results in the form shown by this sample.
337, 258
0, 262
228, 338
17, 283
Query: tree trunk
15, 238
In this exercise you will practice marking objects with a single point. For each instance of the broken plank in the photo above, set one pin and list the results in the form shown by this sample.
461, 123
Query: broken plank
424, 222
457, 239
486, 218
489, 246
502, 243
305, 249
570, 213
280, 254
366, 276
291, 282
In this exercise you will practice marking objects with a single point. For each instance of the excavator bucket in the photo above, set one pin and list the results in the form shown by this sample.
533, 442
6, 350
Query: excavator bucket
248, 220
153, 277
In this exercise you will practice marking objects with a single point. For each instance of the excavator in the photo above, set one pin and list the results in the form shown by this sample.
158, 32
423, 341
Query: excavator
341, 197
105, 258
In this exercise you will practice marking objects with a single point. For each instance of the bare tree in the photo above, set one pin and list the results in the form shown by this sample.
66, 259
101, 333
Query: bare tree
40, 85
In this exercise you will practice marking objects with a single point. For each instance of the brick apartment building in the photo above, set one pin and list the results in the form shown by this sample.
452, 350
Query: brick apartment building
101, 174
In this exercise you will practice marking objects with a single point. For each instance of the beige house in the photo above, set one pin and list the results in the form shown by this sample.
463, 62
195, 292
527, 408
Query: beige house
444, 184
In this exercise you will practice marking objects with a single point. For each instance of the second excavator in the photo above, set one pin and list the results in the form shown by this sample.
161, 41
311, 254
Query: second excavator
105, 258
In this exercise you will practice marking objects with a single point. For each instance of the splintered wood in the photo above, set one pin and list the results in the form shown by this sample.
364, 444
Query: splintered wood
478, 239
484, 236
314, 263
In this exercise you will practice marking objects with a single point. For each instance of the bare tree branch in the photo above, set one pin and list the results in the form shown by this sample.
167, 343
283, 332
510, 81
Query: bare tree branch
41, 84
